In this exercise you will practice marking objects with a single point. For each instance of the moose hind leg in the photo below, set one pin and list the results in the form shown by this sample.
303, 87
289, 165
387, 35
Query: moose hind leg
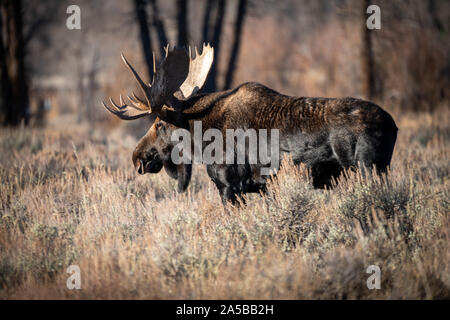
343, 145
375, 152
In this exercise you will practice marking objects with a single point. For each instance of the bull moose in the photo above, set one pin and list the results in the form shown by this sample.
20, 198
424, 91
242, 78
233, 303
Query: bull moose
326, 134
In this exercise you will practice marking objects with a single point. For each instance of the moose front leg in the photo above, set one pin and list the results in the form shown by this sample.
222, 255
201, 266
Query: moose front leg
229, 180
228, 195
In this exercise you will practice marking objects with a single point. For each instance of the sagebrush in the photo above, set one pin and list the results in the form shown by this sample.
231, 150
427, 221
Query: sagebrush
70, 196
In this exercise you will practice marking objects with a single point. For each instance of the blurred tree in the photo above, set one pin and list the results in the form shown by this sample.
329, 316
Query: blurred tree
206, 20
159, 26
434, 17
144, 32
92, 85
13, 73
367, 58
5, 84
238, 25
211, 32
214, 39
182, 10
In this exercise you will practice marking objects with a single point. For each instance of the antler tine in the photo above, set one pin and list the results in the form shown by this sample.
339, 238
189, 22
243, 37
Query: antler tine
136, 104
166, 49
124, 112
137, 98
154, 68
121, 100
131, 99
117, 106
144, 87
126, 105
114, 111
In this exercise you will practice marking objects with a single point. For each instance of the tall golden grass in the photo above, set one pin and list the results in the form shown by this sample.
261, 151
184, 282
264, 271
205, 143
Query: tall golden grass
69, 196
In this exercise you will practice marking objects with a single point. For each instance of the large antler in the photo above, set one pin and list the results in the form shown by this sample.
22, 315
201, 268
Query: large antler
198, 70
173, 70
177, 72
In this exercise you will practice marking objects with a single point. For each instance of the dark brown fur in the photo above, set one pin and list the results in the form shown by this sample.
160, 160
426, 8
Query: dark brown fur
326, 134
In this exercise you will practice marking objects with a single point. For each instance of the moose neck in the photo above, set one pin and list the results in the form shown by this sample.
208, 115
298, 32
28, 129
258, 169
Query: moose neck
173, 117
206, 108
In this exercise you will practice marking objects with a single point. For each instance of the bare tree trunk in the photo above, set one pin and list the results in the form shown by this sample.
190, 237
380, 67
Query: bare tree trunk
211, 82
92, 87
182, 23
158, 24
81, 96
5, 84
240, 17
206, 21
144, 32
432, 10
16, 105
367, 58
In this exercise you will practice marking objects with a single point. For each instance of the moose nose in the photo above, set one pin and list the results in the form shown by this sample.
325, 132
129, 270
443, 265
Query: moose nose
141, 167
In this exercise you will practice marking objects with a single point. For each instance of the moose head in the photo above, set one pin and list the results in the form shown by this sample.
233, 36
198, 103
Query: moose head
178, 78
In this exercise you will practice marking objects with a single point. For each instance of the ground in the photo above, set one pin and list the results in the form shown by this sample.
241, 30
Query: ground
70, 196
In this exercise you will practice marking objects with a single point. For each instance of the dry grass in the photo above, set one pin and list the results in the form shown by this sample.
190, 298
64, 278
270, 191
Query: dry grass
70, 196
